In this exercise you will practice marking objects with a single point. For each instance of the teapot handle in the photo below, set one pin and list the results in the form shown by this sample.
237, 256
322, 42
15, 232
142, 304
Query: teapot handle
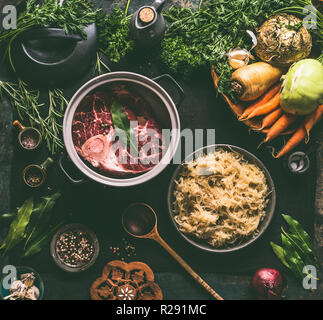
56, 33
158, 4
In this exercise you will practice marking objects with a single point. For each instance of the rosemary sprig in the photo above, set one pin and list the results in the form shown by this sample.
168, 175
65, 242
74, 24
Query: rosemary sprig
57, 106
27, 103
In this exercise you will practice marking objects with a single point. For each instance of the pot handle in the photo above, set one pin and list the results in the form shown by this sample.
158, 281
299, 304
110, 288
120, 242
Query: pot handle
176, 85
61, 166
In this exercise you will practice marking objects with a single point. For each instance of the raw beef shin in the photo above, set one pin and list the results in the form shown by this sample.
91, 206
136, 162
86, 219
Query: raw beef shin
95, 139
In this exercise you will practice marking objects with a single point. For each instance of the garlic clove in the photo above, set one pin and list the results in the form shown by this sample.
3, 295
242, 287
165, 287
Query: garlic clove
16, 285
32, 293
236, 64
238, 58
28, 279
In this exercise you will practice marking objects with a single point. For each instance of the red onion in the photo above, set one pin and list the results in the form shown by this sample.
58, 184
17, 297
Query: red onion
268, 284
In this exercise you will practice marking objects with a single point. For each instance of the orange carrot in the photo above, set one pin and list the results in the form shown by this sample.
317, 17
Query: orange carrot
280, 126
285, 133
296, 138
271, 118
269, 106
261, 101
312, 119
246, 113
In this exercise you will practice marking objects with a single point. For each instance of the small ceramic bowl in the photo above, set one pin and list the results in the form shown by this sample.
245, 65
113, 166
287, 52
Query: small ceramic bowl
81, 267
298, 163
4, 292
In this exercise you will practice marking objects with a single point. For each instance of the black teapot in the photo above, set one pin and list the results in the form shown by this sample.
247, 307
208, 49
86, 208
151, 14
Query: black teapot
48, 57
148, 25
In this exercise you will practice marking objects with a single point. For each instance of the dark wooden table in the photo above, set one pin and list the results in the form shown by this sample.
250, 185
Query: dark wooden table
100, 207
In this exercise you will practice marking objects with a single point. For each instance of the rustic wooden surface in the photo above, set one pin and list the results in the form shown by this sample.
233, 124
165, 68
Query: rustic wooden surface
318, 226
6, 154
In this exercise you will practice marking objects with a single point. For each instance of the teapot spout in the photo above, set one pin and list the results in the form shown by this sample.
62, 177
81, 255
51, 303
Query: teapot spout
158, 4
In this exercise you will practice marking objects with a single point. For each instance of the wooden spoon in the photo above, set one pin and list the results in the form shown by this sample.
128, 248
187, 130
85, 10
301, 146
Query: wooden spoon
140, 221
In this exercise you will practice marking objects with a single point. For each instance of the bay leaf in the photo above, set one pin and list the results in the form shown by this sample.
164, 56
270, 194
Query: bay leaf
122, 126
38, 244
18, 226
40, 217
280, 253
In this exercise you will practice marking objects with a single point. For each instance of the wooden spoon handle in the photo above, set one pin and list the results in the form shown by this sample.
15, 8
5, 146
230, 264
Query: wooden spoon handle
187, 267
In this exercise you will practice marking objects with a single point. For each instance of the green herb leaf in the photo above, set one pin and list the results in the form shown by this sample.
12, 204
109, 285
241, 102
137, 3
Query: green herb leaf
297, 230
295, 27
40, 217
280, 253
297, 249
18, 226
306, 253
122, 125
114, 36
293, 258
38, 244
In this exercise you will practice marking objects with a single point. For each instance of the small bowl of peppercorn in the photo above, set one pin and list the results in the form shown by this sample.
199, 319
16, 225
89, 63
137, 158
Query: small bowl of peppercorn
74, 248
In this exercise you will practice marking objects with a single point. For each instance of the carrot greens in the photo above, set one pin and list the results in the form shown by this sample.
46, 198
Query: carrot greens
201, 38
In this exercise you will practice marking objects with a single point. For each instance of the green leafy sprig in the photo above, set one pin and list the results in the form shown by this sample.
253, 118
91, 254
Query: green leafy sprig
18, 226
297, 250
31, 226
114, 36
